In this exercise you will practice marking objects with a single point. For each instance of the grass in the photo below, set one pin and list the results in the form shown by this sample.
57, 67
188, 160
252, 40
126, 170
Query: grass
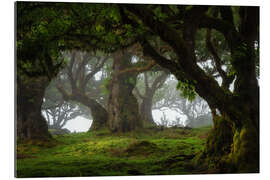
145, 152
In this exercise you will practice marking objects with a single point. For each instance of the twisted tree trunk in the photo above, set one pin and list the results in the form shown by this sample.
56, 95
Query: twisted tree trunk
122, 104
99, 114
31, 125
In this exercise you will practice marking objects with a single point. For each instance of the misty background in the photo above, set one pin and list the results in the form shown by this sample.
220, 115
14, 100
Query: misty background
170, 106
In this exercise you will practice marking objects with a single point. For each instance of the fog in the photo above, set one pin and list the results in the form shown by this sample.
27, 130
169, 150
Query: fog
90, 74
81, 124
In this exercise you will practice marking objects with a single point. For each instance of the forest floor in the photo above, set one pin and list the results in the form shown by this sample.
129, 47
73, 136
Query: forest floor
100, 153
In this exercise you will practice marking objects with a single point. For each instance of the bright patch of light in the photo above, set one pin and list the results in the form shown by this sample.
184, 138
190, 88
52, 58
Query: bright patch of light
98, 75
207, 63
134, 59
78, 124
232, 85
170, 115
219, 80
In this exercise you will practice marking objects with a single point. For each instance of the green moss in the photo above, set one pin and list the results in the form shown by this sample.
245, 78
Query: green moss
100, 153
141, 148
220, 139
214, 157
245, 153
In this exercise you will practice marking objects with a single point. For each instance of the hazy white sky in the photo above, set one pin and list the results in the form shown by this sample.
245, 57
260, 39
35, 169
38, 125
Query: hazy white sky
79, 124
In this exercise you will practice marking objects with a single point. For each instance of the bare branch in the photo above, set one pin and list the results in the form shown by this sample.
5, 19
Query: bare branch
226, 80
159, 81
70, 67
216, 58
81, 65
98, 66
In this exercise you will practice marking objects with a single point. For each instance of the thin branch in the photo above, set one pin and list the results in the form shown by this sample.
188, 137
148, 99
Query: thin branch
81, 65
93, 72
158, 82
53, 106
216, 58
64, 93
70, 67
47, 116
226, 80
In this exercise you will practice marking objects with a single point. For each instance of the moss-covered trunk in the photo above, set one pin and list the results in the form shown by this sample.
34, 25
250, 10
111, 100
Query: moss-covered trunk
241, 111
215, 156
245, 149
232, 147
31, 125
122, 104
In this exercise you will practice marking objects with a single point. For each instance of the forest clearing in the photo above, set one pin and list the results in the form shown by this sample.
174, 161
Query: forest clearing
147, 152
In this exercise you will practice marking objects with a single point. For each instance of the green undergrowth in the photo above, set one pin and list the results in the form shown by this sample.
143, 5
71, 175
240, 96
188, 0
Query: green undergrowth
100, 153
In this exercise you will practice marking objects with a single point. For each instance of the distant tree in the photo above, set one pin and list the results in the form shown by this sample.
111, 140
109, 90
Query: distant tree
177, 122
122, 104
145, 91
77, 83
196, 111
164, 121
59, 116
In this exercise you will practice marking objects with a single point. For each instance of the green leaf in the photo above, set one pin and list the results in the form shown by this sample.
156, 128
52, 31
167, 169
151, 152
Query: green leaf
131, 81
115, 15
187, 90
99, 28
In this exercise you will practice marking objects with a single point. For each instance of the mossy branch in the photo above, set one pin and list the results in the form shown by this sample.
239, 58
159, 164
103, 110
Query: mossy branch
138, 69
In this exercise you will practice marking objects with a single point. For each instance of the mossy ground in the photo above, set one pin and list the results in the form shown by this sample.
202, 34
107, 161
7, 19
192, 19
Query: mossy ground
100, 153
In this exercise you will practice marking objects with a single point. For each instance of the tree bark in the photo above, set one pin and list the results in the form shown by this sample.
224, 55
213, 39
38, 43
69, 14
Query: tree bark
78, 78
122, 104
146, 111
147, 98
99, 114
31, 125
